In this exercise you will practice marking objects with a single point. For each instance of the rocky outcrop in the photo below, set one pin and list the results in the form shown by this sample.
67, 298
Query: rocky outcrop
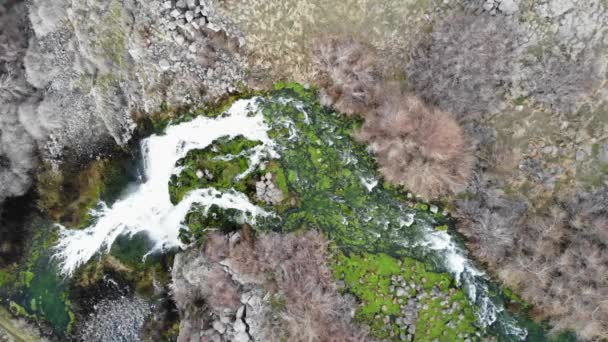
276, 287
72, 74
267, 191
236, 317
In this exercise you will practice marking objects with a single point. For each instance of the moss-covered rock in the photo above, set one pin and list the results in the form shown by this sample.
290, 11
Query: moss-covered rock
199, 222
401, 299
35, 289
219, 165
67, 194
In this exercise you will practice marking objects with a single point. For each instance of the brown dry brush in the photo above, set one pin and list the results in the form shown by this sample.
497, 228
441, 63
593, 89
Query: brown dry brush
348, 74
417, 146
557, 260
466, 64
293, 266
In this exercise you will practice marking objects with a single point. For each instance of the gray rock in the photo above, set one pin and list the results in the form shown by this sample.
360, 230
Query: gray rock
508, 7
239, 326
164, 66
580, 155
189, 16
181, 4
191, 4
179, 39
488, 5
241, 337
219, 327
603, 154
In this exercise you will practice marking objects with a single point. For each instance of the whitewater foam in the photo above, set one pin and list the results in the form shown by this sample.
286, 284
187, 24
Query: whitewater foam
148, 207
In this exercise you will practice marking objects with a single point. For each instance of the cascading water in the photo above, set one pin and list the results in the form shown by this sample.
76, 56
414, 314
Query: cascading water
148, 207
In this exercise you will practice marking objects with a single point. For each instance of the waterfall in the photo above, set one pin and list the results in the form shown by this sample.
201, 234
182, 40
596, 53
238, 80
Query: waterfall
148, 207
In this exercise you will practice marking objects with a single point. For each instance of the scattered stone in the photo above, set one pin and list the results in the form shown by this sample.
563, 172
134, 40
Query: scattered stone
191, 4
164, 66
508, 7
189, 16
219, 327
488, 5
239, 326
241, 337
175, 13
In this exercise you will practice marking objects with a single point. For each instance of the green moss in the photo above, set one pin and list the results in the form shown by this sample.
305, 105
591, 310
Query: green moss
323, 170
218, 165
172, 333
515, 301
112, 38
443, 227
520, 101
200, 221
281, 181
19, 310
67, 195
444, 312
27, 278
422, 206
6, 279
39, 292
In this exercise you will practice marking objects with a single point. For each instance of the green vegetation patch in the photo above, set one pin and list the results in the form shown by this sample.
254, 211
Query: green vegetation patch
218, 165
199, 222
128, 262
37, 291
332, 180
67, 195
401, 299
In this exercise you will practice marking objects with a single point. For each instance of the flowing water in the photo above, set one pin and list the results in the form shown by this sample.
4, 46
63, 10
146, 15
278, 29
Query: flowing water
148, 208
353, 208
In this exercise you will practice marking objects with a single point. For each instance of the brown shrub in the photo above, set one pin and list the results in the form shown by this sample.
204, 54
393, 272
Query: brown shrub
465, 65
417, 146
348, 75
221, 291
295, 267
556, 259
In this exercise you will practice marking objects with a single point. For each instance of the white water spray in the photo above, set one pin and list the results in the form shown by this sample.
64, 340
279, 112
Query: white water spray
148, 208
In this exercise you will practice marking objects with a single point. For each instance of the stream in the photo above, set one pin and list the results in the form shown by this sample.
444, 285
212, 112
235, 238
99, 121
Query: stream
351, 205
